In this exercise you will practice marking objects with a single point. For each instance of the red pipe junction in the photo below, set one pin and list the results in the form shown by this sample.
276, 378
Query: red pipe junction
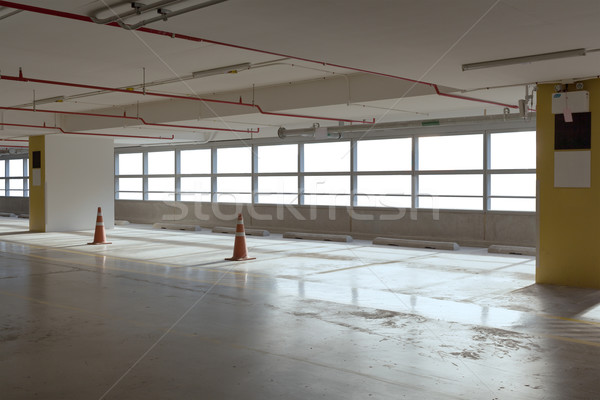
84, 18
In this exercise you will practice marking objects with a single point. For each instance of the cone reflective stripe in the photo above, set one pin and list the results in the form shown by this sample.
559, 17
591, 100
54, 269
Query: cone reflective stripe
240, 251
99, 234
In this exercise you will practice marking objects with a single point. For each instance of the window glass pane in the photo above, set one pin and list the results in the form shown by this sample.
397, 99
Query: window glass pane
161, 196
451, 152
511, 204
234, 198
131, 184
2, 185
327, 157
327, 200
327, 184
234, 160
195, 184
15, 184
195, 161
278, 198
452, 203
234, 184
512, 150
130, 196
383, 201
278, 184
384, 184
204, 197
513, 185
161, 184
283, 158
451, 185
384, 155
15, 168
16, 193
161, 162
131, 164
2, 170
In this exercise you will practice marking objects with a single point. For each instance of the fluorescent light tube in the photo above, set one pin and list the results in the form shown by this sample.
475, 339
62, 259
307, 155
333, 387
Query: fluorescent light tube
524, 60
230, 69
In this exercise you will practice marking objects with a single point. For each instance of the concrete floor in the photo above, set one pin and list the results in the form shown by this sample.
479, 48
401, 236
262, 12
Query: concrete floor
161, 315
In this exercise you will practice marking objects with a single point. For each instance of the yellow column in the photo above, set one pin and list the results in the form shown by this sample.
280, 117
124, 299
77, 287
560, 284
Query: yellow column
37, 179
569, 218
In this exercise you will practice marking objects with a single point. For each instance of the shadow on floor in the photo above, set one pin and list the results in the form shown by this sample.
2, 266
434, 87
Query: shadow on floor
563, 301
15, 233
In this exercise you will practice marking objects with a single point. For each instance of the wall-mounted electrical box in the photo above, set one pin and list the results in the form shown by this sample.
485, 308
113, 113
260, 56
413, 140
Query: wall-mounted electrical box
577, 102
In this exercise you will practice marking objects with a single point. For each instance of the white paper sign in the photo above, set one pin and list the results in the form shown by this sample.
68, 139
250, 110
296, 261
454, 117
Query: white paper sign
572, 169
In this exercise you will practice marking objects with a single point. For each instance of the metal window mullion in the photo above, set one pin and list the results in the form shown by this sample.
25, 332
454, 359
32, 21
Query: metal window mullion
414, 204
213, 174
254, 175
453, 172
486, 167
6, 178
116, 175
145, 175
353, 168
177, 176
300, 174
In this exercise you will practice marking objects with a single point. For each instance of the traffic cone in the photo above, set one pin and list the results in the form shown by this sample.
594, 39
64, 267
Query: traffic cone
99, 235
240, 251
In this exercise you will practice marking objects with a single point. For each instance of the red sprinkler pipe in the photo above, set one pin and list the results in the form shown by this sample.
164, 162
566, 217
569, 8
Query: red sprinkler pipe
456, 96
14, 140
84, 18
86, 133
21, 78
132, 118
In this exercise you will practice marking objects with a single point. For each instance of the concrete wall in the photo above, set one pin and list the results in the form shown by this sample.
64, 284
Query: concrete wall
15, 205
465, 227
468, 228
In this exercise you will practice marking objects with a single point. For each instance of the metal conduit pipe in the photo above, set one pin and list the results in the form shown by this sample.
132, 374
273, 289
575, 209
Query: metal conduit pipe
85, 133
169, 80
21, 78
309, 132
9, 14
173, 35
140, 9
140, 119
164, 15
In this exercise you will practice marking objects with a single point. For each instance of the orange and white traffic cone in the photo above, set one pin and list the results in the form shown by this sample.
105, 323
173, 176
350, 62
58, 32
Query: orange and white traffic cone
240, 251
99, 235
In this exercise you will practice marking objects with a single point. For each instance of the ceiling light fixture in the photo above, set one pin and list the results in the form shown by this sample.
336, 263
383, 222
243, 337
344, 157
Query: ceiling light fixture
230, 69
524, 60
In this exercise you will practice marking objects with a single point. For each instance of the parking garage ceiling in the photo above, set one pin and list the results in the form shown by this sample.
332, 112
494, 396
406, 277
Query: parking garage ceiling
240, 68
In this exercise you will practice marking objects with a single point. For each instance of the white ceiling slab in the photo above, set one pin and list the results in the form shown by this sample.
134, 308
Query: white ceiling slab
426, 40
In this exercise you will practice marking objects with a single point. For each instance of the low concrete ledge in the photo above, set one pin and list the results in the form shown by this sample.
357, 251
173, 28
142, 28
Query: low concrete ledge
176, 227
249, 232
517, 250
121, 222
8, 215
317, 236
421, 244
25, 216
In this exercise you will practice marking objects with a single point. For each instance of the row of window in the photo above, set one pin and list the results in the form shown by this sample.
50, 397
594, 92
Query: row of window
14, 180
494, 171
